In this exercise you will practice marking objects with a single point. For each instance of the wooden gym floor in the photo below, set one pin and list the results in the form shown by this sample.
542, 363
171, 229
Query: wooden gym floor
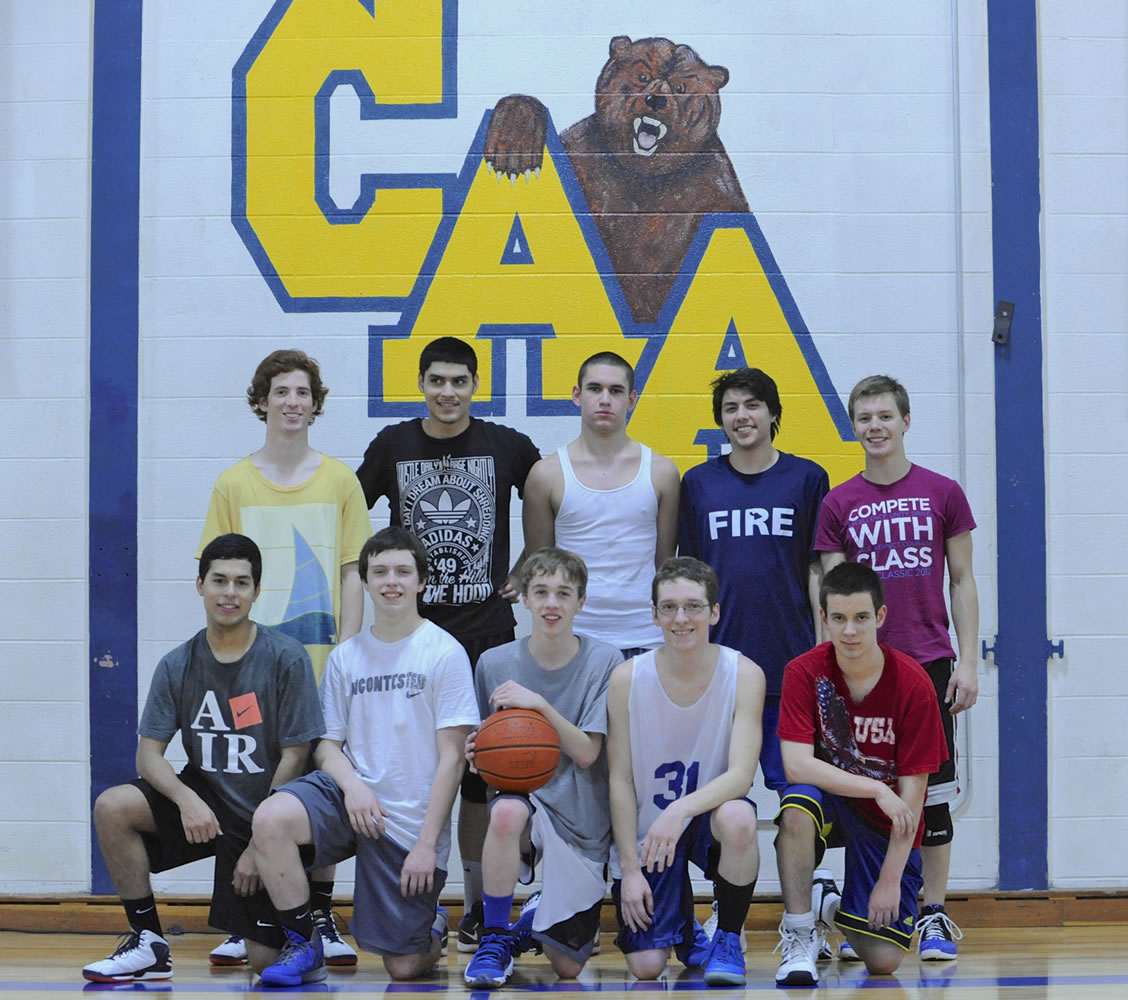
1023, 963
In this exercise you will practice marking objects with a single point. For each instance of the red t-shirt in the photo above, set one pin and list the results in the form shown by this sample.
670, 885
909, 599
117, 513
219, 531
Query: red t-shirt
894, 731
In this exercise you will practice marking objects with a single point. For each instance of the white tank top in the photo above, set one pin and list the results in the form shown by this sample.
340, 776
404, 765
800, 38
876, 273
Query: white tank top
676, 749
615, 532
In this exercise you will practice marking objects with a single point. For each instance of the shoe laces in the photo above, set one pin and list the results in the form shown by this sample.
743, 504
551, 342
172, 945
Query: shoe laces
795, 944
496, 947
826, 937
938, 925
727, 949
129, 941
326, 926
295, 949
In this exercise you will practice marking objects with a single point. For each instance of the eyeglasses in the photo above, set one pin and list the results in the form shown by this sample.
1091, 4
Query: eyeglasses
692, 609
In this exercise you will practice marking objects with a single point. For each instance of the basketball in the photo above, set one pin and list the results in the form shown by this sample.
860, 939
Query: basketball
516, 750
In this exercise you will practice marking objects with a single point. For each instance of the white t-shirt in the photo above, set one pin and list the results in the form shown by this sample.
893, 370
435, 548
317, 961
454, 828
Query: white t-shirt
385, 701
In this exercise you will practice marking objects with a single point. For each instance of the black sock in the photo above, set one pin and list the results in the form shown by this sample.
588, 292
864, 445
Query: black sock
732, 904
321, 895
142, 914
299, 919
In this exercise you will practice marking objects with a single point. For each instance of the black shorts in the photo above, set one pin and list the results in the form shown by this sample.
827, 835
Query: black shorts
473, 787
940, 672
252, 917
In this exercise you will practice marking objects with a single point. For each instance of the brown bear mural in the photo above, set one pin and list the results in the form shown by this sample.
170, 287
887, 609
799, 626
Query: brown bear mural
649, 161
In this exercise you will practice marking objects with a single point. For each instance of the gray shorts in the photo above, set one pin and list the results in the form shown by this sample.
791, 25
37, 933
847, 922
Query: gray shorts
383, 920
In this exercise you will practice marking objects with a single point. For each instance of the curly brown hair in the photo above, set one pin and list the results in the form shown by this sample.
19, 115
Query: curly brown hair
282, 363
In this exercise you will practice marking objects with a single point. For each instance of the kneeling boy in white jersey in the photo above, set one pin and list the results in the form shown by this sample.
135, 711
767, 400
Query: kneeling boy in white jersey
567, 823
398, 704
683, 741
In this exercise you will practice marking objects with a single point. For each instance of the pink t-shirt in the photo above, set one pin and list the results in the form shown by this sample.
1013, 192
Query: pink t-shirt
899, 529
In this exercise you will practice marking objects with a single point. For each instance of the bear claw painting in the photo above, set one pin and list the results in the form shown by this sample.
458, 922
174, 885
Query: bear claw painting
649, 160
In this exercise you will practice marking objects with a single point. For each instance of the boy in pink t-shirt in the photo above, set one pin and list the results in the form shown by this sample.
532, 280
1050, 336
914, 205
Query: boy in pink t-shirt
906, 522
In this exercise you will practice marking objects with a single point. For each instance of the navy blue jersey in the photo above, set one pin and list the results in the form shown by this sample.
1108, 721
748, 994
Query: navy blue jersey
758, 533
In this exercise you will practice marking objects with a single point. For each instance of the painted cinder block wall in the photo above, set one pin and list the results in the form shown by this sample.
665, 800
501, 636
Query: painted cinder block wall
869, 183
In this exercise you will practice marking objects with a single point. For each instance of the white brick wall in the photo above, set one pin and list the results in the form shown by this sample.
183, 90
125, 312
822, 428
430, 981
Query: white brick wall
44, 227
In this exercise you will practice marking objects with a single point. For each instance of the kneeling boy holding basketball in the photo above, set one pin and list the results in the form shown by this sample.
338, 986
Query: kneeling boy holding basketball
565, 823
683, 740
398, 704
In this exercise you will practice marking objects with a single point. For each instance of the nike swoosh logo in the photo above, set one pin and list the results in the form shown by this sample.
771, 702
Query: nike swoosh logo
240, 714
263, 923
148, 909
414, 694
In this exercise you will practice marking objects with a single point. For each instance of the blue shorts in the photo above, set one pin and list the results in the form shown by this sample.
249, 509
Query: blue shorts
838, 824
672, 922
384, 921
771, 759
673, 918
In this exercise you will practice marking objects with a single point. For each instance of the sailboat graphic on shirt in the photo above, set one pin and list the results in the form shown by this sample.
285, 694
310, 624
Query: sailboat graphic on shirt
309, 612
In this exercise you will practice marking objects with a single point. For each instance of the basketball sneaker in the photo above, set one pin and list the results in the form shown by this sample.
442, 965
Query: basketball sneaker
522, 928
695, 954
138, 956
825, 898
725, 965
301, 961
470, 929
233, 951
797, 962
846, 953
440, 927
337, 950
711, 928
492, 964
938, 934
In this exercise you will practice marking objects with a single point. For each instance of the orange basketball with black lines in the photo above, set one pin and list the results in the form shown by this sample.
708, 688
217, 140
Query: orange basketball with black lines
516, 750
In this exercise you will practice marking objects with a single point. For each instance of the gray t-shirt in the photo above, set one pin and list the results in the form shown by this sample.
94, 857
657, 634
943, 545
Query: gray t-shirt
235, 718
577, 798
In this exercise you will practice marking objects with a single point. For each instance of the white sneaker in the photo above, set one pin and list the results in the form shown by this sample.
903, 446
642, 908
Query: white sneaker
846, 953
138, 956
800, 952
337, 950
233, 951
711, 929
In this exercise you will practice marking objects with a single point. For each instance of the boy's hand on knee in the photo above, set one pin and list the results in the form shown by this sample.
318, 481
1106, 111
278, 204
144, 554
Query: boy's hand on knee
200, 823
661, 840
246, 877
636, 901
901, 817
418, 872
884, 904
365, 814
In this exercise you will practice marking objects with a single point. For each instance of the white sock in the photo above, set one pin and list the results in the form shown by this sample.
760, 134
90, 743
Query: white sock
799, 921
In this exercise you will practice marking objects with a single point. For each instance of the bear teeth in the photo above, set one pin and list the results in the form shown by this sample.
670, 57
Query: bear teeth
648, 133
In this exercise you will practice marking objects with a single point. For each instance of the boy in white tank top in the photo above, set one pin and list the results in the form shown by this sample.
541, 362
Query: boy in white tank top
683, 740
612, 501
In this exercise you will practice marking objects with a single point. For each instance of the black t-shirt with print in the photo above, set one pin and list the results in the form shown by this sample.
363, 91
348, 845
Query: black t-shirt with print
454, 494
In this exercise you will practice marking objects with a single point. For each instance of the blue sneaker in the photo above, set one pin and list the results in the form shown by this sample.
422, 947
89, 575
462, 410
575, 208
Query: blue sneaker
440, 927
301, 962
696, 954
492, 964
938, 934
725, 966
522, 930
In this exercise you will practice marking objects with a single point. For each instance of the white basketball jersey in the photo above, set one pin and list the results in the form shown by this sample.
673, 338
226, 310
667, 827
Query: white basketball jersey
676, 749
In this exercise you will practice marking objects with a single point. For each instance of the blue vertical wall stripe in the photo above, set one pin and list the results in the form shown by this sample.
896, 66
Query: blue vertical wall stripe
114, 218
1021, 648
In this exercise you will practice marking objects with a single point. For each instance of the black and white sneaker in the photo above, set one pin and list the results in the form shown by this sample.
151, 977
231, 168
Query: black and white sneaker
337, 950
232, 951
139, 956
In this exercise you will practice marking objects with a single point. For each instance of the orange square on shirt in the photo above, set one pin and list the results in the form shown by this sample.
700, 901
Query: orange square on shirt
245, 710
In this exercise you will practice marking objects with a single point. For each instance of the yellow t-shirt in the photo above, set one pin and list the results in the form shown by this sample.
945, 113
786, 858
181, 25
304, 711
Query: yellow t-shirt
306, 534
